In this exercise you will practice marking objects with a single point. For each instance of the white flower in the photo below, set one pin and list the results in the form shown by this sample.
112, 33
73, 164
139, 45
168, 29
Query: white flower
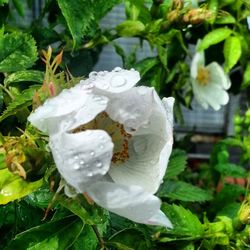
209, 82
112, 141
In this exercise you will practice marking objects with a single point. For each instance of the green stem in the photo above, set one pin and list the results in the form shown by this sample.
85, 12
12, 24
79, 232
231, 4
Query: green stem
7, 91
99, 237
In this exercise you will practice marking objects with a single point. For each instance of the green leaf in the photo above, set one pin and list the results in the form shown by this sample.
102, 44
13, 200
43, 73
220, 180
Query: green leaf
2, 2
78, 15
231, 210
162, 53
156, 81
81, 14
168, 38
25, 76
102, 7
146, 65
246, 76
2, 160
230, 169
177, 163
60, 234
232, 51
90, 214
86, 238
14, 187
184, 222
231, 141
227, 195
20, 6
17, 52
130, 238
226, 18
40, 198
183, 191
214, 37
21, 101
130, 28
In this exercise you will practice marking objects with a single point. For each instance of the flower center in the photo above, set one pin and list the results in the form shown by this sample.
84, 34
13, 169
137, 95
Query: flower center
203, 76
116, 131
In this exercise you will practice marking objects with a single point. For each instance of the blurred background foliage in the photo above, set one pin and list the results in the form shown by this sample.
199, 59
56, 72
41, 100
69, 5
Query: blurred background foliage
206, 199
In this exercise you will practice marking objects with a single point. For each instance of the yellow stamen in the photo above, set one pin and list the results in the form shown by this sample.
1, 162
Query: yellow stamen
116, 131
203, 76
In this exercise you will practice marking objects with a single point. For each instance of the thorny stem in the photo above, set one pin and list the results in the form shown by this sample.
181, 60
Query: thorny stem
7, 91
99, 237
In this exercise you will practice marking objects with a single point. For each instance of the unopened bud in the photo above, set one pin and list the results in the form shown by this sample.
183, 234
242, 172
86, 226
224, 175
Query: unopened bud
52, 89
173, 15
178, 4
197, 16
244, 213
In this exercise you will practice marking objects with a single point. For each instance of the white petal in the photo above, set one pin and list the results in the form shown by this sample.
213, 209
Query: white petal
215, 96
82, 157
218, 75
160, 219
149, 150
117, 81
198, 60
74, 105
131, 108
211, 94
54, 108
95, 105
128, 201
144, 167
199, 94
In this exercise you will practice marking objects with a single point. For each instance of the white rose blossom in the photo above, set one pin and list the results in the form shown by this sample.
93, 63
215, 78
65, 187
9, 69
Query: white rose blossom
210, 83
111, 141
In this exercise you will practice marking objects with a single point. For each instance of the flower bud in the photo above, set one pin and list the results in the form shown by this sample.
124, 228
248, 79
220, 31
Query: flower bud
244, 213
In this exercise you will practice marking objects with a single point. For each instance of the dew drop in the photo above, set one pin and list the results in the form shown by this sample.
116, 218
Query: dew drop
92, 153
101, 146
99, 164
82, 162
90, 174
117, 69
132, 69
117, 81
76, 157
101, 73
76, 167
93, 74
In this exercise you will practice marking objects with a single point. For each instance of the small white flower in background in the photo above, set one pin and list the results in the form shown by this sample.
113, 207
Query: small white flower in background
112, 141
210, 83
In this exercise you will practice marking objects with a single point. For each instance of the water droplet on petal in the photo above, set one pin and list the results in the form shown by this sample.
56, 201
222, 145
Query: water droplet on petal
101, 146
82, 162
101, 73
117, 69
76, 157
93, 74
99, 164
92, 153
132, 69
76, 167
105, 85
117, 81
90, 174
